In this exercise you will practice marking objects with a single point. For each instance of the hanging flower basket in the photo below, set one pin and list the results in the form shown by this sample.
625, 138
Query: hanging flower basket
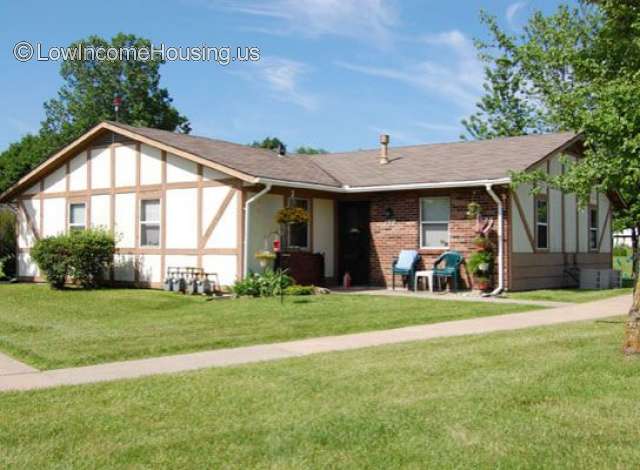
473, 210
292, 215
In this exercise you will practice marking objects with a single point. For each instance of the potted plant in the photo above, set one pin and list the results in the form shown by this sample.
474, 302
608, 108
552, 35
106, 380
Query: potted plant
265, 257
480, 265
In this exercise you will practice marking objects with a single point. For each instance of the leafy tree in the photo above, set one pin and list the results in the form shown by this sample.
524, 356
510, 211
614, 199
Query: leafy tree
583, 65
302, 150
270, 143
86, 98
507, 108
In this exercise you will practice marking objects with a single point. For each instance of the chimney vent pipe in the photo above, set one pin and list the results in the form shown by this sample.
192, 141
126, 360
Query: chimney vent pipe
384, 149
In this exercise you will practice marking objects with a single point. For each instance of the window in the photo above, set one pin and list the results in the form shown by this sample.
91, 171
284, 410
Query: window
542, 222
77, 217
298, 235
593, 228
150, 222
434, 222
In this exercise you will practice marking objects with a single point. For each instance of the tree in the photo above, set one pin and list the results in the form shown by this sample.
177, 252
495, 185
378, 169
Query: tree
302, 150
583, 65
270, 143
507, 108
86, 98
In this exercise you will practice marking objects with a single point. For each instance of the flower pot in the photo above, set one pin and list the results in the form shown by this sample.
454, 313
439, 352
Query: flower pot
482, 284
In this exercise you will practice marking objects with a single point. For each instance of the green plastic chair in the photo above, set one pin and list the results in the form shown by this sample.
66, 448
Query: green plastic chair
452, 261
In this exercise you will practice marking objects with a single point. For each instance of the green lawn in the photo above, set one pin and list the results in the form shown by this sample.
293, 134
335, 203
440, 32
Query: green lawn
50, 329
569, 295
553, 397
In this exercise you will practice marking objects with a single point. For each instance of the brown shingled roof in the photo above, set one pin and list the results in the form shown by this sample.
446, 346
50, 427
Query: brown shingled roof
439, 163
250, 160
432, 163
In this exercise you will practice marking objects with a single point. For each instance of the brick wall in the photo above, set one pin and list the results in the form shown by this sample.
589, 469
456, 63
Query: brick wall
389, 237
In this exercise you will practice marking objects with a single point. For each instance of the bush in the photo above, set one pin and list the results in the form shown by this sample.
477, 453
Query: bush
268, 284
622, 250
83, 256
300, 290
53, 256
91, 255
7, 244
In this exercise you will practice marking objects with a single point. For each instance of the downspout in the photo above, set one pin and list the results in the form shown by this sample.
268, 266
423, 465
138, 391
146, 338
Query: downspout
498, 201
247, 227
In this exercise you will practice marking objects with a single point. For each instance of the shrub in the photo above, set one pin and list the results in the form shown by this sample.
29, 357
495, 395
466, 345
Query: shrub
7, 243
53, 255
622, 250
268, 284
300, 290
91, 255
83, 256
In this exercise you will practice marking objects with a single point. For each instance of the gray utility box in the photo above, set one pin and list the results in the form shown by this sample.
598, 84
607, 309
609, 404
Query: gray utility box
599, 278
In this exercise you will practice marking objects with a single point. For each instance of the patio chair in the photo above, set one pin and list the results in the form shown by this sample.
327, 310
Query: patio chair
405, 265
452, 261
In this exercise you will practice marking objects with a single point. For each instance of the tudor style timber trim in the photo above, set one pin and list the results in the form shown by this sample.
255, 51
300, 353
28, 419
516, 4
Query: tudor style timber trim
523, 219
141, 192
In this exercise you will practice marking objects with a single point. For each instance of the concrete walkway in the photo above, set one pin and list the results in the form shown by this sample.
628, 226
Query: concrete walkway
457, 297
31, 379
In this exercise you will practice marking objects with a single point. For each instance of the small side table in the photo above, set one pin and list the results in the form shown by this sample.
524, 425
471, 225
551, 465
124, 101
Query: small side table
428, 275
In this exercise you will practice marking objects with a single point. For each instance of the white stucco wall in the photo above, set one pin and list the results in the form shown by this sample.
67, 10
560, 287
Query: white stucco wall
150, 165
180, 170
324, 233
226, 232
125, 165
263, 213
224, 265
26, 237
182, 219
56, 181
100, 168
125, 223
101, 211
78, 172
54, 216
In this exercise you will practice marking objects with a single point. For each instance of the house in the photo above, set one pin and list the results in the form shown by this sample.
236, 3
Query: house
181, 200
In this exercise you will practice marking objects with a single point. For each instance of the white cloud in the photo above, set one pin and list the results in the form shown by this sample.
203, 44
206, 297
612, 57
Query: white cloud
282, 77
367, 20
458, 76
512, 11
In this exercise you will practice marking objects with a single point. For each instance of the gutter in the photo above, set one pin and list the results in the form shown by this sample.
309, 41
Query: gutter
390, 187
498, 201
247, 227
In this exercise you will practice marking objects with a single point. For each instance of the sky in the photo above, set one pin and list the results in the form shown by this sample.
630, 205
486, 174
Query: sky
332, 73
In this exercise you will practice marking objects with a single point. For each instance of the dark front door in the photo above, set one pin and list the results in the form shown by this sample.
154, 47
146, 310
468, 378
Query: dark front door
353, 220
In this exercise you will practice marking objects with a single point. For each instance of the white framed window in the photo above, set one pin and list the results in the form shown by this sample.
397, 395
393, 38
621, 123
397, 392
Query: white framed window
298, 234
593, 228
434, 222
541, 207
150, 222
77, 216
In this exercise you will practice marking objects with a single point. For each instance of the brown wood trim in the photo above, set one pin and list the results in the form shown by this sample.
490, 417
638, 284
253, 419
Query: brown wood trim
112, 205
199, 208
176, 251
523, 219
163, 213
240, 233
88, 214
41, 217
35, 232
604, 227
214, 222
562, 216
127, 189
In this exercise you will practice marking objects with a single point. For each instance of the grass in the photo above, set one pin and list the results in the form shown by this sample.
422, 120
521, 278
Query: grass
50, 329
552, 397
569, 295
